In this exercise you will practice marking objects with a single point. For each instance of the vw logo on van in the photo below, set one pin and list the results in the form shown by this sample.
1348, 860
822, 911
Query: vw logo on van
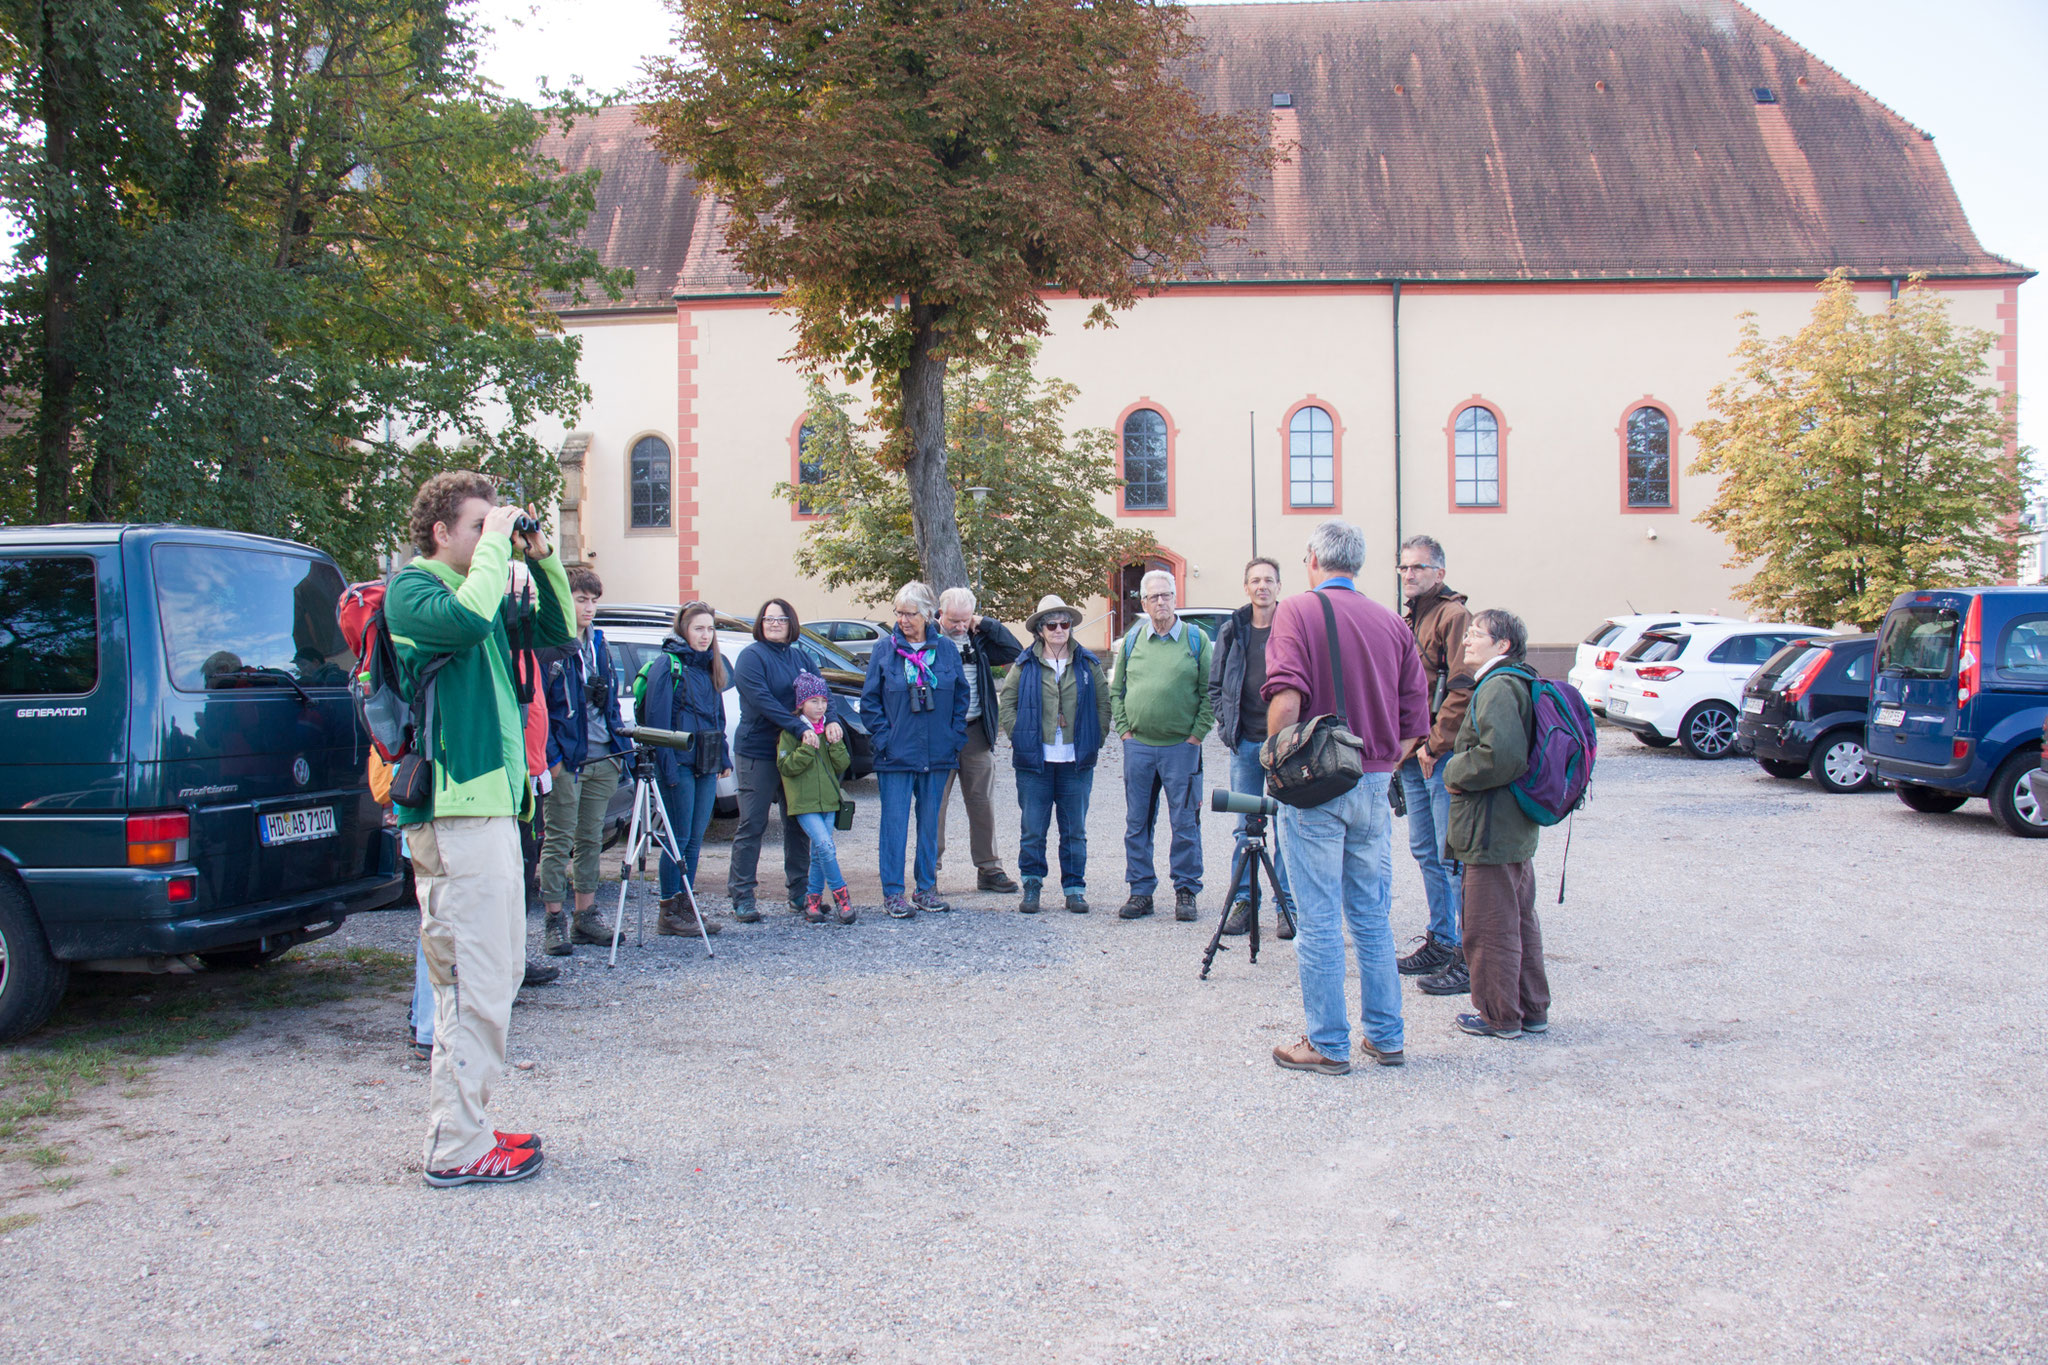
302, 771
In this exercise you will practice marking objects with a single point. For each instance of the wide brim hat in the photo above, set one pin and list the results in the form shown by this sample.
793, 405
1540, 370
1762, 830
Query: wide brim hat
1050, 605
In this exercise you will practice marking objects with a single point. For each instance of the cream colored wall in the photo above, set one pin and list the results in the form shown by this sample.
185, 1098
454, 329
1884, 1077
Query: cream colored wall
1563, 368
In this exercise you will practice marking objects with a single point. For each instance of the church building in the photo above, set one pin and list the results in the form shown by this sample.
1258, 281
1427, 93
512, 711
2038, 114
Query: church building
1486, 298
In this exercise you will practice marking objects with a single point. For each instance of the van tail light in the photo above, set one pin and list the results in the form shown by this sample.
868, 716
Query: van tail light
158, 838
1970, 662
1960, 749
1658, 672
1806, 679
1605, 663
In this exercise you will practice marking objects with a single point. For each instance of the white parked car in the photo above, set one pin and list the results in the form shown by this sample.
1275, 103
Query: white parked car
1593, 663
1685, 682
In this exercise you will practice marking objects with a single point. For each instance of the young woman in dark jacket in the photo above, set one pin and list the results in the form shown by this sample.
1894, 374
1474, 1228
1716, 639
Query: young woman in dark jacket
915, 706
682, 688
766, 678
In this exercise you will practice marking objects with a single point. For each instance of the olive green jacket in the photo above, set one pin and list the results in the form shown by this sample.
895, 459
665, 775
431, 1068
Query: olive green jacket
1487, 824
1060, 695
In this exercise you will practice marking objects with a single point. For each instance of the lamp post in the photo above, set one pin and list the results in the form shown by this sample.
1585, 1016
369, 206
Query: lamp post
980, 496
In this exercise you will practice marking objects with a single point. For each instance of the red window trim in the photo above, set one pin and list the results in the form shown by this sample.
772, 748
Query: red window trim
1621, 439
1500, 422
1172, 459
1336, 507
796, 431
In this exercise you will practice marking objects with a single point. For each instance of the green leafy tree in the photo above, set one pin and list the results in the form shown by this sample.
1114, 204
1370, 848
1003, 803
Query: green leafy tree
914, 175
1040, 529
1864, 456
264, 237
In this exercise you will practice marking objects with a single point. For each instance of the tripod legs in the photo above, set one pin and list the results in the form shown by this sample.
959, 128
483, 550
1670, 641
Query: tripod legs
1244, 885
650, 830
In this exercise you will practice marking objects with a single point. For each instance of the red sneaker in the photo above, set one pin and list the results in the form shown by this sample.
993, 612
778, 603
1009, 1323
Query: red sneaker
531, 1140
499, 1166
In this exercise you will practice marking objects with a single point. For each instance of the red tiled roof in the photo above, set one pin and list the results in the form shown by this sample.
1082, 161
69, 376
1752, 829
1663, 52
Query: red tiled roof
1491, 140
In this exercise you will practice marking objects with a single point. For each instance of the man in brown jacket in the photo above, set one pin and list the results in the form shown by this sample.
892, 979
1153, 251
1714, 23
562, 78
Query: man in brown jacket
1439, 618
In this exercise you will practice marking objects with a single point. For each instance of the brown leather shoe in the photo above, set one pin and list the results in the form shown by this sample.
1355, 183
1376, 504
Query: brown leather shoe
1302, 1056
679, 918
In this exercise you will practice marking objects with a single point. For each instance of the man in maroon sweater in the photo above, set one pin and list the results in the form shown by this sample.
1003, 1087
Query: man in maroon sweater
1340, 854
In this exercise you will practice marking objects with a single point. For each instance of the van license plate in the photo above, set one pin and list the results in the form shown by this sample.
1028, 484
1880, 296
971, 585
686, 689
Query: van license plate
1753, 705
296, 826
1889, 715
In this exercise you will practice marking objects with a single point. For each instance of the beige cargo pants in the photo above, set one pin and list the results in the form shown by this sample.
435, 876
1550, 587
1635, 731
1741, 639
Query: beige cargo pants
472, 893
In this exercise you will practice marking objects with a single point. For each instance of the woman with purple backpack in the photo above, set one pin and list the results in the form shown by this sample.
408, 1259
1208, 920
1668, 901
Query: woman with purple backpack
1494, 837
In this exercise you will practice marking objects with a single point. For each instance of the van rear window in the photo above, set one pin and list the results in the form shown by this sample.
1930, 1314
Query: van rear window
49, 626
1919, 642
249, 618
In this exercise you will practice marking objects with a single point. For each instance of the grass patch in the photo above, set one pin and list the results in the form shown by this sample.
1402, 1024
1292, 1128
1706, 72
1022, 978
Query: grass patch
112, 1026
46, 1157
15, 1222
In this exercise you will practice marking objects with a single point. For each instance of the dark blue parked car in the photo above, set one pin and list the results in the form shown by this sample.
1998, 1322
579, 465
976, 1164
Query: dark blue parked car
182, 774
1957, 706
1804, 711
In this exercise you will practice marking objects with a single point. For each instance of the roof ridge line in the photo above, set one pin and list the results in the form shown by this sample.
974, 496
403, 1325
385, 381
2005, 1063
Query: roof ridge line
1827, 67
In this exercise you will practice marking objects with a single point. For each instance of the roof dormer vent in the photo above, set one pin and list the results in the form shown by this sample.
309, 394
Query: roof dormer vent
1766, 95
1282, 100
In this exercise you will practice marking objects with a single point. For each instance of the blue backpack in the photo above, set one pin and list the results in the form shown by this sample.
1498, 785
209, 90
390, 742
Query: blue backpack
1191, 635
1562, 746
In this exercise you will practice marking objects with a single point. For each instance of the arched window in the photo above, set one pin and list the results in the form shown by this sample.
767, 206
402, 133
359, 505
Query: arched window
650, 495
1475, 458
1145, 462
1649, 458
808, 471
1311, 459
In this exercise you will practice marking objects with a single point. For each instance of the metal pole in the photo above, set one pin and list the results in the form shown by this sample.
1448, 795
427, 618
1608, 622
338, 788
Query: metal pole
1252, 448
1397, 430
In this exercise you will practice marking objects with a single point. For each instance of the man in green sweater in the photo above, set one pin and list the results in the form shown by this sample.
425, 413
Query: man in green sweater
1159, 706
449, 608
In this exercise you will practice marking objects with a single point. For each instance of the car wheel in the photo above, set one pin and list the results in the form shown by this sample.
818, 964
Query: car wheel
1840, 763
1928, 801
1654, 741
1780, 768
31, 981
726, 807
2013, 800
1709, 730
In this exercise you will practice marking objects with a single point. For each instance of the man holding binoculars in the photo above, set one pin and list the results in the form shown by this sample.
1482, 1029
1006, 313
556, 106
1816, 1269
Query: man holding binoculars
584, 749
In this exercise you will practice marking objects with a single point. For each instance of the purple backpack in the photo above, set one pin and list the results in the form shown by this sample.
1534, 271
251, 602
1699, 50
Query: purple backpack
1562, 746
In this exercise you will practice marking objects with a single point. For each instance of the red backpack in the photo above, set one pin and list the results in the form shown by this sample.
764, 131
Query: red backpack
380, 699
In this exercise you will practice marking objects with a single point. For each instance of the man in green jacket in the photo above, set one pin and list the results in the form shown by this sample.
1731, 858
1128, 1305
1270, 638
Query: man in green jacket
451, 604
1159, 706
1496, 842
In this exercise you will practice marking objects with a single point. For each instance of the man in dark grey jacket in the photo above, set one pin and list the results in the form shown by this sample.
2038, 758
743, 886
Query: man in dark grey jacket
1235, 681
985, 645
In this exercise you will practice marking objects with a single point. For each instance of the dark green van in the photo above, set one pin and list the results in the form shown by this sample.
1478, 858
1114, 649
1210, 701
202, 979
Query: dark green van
182, 774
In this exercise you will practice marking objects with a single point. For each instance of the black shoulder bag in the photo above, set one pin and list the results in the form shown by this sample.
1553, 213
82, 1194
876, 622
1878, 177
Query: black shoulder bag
1318, 759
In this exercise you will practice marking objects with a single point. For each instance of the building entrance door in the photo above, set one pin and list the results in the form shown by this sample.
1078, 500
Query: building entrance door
1128, 606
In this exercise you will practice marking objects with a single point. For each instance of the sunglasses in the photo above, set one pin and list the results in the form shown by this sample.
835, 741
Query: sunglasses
1057, 625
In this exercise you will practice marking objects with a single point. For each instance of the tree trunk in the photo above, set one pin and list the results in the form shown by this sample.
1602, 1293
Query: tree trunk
55, 408
932, 519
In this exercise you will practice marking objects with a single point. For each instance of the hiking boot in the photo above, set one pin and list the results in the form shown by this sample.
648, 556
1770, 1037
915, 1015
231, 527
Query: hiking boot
1285, 928
1432, 957
1303, 1056
997, 880
499, 1166
539, 973
746, 912
929, 902
589, 926
842, 905
898, 907
1184, 907
1077, 902
1238, 920
531, 1140
1476, 1025
677, 917
421, 1052
814, 909
1137, 907
1452, 980
1029, 904
1384, 1056
554, 935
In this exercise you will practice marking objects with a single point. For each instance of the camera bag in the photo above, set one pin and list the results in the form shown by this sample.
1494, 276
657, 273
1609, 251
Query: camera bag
1318, 759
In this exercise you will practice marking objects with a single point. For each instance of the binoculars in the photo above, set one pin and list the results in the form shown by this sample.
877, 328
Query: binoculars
525, 525
921, 697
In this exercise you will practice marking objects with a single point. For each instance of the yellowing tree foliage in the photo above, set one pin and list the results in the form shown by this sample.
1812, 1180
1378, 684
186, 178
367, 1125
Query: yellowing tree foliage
1864, 456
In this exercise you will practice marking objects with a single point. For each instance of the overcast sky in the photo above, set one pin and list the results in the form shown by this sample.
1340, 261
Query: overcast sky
1968, 71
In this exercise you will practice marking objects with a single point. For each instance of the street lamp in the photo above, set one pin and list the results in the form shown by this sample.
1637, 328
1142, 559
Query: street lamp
980, 496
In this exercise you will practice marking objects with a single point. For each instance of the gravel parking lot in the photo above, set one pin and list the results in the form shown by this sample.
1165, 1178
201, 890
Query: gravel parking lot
1791, 1106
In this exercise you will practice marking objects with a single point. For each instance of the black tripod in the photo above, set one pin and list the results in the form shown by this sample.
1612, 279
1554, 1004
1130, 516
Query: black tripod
1244, 885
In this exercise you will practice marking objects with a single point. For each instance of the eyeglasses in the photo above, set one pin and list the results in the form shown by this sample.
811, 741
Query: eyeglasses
1414, 568
1057, 625
775, 620
1158, 597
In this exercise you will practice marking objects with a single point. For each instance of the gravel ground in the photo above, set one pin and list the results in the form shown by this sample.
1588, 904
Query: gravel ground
1790, 1107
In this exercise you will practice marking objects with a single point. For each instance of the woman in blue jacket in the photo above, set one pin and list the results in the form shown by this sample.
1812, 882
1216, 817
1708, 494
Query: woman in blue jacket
915, 706
766, 678
682, 688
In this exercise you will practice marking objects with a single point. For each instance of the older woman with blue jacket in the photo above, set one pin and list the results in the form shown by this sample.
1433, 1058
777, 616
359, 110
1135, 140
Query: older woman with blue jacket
915, 706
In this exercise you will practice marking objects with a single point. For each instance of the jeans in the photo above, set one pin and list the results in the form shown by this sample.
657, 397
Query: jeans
422, 998
1248, 775
760, 788
1063, 788
1342, 853
1429, 823
899, 791
688, 804
1175, 770
825, 874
